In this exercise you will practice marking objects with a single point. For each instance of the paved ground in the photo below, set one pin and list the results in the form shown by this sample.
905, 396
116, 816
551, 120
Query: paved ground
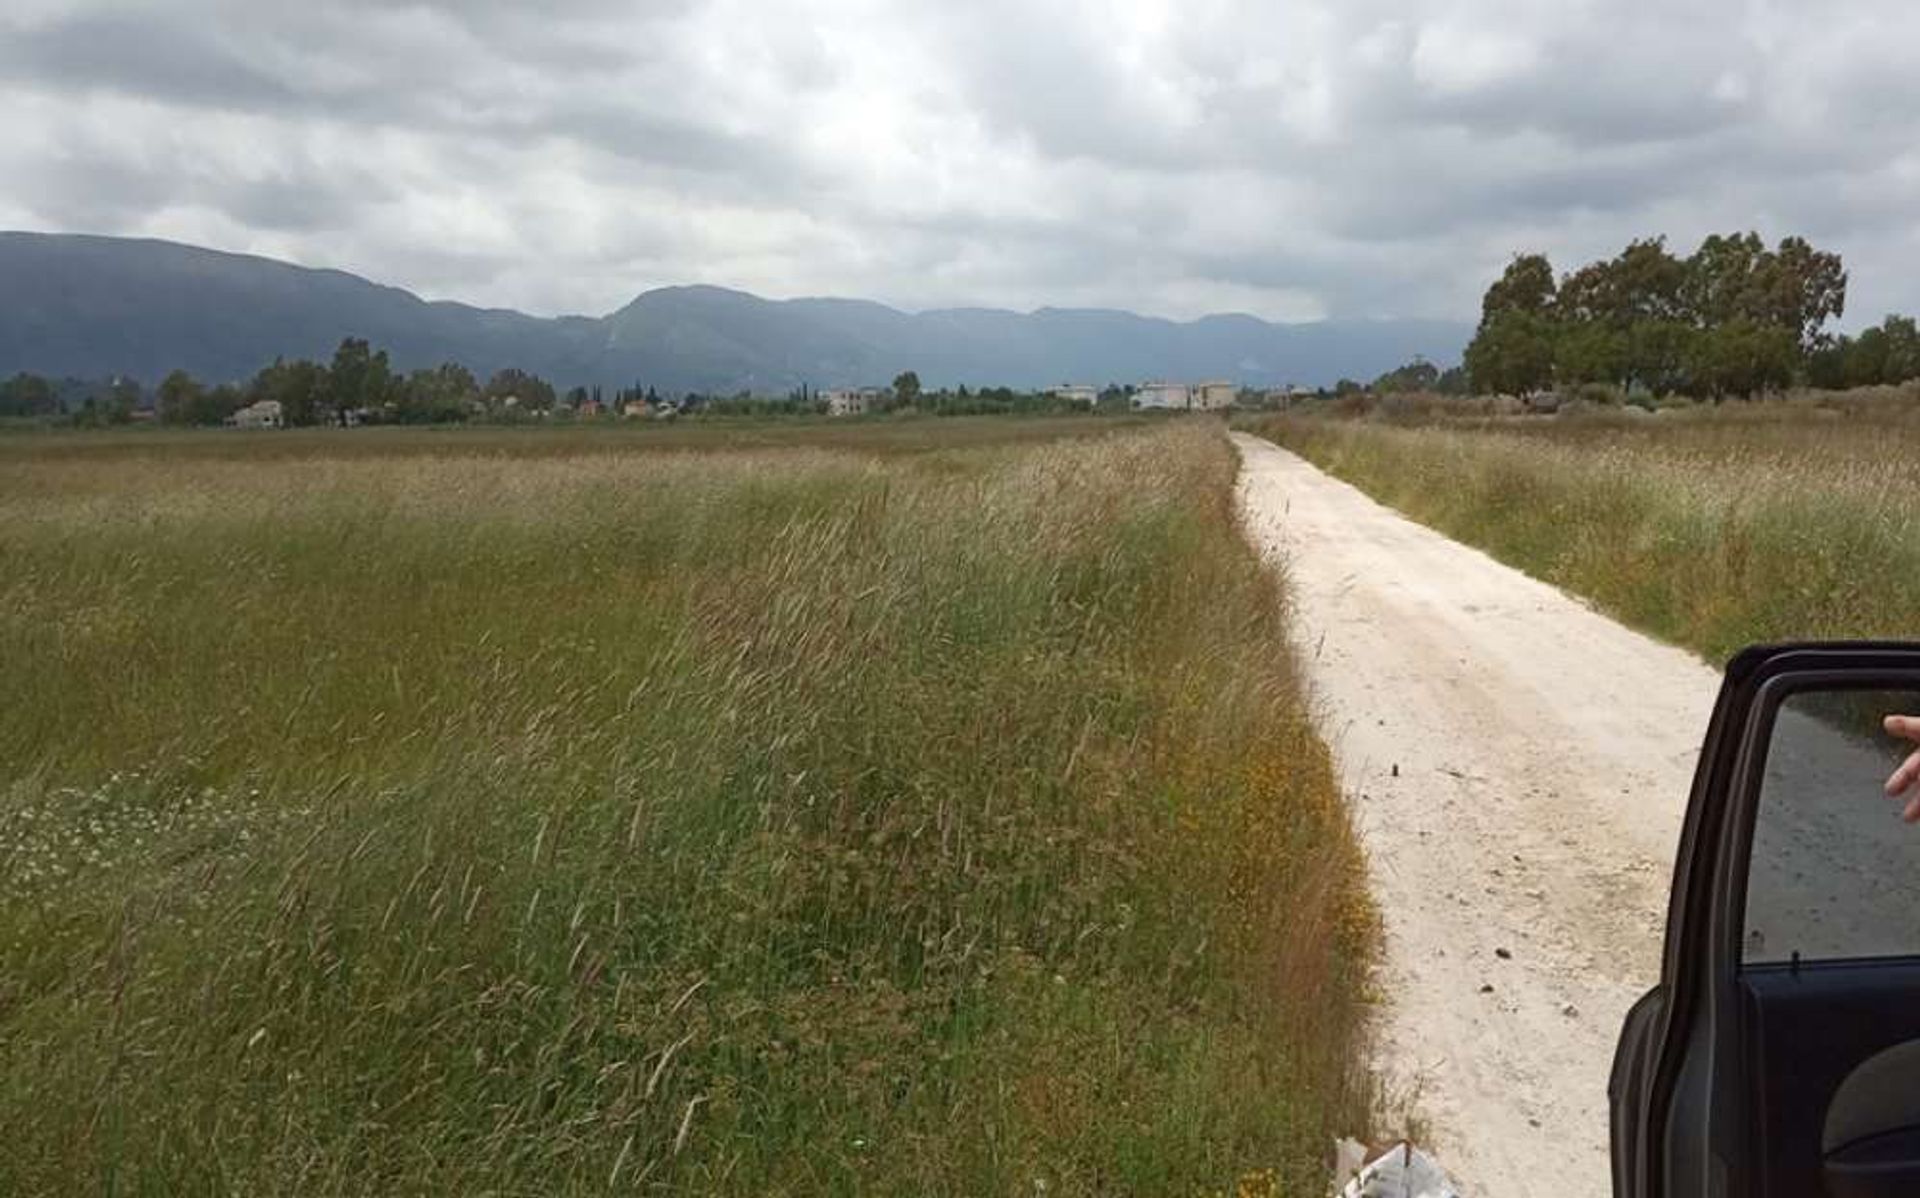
1519, 765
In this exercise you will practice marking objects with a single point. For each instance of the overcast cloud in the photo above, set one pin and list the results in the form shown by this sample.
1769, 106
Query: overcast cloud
1293, 160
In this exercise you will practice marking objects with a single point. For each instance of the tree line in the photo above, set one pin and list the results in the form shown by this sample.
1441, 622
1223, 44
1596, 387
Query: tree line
1732, 318
1417, 375
31, 396
360, 386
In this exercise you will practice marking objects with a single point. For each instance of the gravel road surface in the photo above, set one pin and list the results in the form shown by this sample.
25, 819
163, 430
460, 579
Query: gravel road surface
1519, 766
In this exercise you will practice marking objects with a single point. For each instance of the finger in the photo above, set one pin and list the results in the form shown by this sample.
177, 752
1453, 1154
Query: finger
1904, 726
1912, 813
1904, 777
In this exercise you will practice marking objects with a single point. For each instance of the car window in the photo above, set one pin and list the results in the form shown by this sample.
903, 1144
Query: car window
1835, 873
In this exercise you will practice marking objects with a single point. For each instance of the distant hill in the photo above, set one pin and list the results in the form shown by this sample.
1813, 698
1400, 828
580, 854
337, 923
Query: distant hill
95, 306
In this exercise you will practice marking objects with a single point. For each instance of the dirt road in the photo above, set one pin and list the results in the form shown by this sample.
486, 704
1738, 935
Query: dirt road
1519, 765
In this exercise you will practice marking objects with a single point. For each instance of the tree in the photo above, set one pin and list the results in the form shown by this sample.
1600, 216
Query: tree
1512, 354
112, 405
1656, 355
1512, 350
1525, 286
1742, 357
1887, 353
1801, 288
216, 404
301, 388
181, 399
513, 390
1720, 279
1796, 287
1648, 283
115, 405
1826, 367
1619, 318
1864, 361
97, 412
360, 379
439, 396
123, 394
1591, 351
178, 398
28, 395
906, 389
1417, 375
1903, 348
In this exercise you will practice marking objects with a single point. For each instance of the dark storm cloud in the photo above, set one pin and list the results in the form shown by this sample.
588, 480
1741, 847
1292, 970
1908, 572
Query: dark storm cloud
1365, 157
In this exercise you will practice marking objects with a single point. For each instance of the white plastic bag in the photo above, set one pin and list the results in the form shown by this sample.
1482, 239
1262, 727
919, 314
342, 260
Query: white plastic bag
1401, 1171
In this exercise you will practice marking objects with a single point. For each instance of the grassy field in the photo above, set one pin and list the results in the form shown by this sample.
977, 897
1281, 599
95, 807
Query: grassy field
885, 434
1710, 527
928, 808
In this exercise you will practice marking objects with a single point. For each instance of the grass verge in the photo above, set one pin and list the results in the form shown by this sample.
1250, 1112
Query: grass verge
813, 820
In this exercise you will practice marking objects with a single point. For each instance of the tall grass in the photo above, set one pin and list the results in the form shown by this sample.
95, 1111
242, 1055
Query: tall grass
791, 821
1713, 528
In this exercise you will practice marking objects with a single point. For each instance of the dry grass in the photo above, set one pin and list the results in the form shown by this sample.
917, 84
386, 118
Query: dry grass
1711, 527
754, 820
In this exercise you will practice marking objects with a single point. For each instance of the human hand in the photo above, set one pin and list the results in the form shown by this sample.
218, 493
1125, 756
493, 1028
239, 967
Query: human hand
1905, 782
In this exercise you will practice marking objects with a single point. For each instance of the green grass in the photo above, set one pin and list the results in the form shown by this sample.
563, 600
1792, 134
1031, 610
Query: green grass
1711, 527
498, 818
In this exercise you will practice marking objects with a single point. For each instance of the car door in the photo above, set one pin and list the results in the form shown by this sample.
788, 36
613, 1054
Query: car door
1780, 1054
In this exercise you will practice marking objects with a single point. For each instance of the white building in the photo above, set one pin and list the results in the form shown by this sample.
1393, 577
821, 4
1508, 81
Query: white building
1213, 396
1176, 397
265, 414
1076, 393
844, 401
851, 401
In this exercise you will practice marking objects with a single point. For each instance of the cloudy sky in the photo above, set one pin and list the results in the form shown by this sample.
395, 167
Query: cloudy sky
1290, 158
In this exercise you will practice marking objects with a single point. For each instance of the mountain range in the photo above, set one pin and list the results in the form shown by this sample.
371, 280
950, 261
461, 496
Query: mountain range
92, 307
